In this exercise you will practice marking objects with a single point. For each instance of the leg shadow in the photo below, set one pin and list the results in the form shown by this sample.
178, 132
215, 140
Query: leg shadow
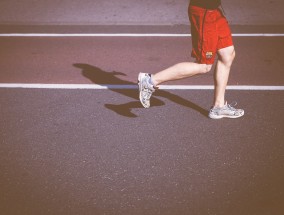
181, 101
100, 77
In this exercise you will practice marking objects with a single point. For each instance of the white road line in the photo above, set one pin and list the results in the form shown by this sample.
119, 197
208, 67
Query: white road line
103, 87
127, 35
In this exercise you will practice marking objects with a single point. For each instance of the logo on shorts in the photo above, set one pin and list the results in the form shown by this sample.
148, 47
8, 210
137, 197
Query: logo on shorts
209, 55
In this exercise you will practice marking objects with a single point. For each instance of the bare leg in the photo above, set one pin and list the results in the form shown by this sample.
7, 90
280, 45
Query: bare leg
179, 71
225, 59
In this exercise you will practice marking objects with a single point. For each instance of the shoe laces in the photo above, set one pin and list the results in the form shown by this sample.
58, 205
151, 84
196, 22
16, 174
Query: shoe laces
148, 93
232, 106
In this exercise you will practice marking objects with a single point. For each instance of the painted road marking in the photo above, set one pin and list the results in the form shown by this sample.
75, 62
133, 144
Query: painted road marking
126, 35
103, 87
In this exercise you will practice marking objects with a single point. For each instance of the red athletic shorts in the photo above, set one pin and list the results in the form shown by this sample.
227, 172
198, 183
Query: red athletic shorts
210, 32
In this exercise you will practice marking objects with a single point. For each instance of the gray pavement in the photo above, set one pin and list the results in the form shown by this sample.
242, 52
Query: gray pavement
51, 60
100, 152
126, 12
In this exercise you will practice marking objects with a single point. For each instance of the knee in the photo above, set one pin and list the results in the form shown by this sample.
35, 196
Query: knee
233, 55
206, 68
228, 58
231, 58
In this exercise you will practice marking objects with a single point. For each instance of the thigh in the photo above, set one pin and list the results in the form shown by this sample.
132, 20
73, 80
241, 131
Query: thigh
209, 37
204, 34
224, 32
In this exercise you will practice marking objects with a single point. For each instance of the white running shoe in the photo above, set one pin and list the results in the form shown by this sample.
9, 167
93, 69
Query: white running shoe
226, 111
146, 89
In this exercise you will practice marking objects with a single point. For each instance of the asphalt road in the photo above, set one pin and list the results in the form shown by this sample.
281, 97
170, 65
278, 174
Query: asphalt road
99, 152
88, 60
125, 12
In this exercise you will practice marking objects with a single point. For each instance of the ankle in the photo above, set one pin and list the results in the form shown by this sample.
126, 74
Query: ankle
219, 104
153, 81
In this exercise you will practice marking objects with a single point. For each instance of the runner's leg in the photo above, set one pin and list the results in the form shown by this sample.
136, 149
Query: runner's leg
225, 59
179, 71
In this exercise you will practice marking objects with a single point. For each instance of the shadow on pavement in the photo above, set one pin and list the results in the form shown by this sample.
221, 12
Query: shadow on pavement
100, 77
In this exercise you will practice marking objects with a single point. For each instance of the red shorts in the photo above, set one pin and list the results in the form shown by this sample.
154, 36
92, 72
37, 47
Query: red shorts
210, 32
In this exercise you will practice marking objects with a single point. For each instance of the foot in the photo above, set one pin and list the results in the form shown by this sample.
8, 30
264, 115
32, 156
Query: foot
146, 89
226, 111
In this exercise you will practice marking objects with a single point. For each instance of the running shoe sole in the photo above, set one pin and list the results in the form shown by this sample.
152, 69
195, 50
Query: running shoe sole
225, 116
140, 85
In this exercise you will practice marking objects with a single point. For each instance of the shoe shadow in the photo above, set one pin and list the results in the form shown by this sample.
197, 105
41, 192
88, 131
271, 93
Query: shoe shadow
100, 77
